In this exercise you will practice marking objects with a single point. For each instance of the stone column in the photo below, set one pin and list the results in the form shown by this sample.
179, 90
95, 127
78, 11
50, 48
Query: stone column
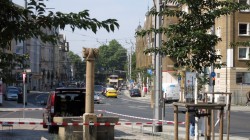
89, 131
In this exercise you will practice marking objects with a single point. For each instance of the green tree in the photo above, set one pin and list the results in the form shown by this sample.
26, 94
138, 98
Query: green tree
188, 41
20, 24
112, 57
79, 66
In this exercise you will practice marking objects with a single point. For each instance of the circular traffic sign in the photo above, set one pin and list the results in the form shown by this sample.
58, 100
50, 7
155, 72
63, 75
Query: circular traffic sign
213, 74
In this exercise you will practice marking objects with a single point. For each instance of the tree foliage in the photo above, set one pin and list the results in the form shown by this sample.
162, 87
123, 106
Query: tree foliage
17, 23
112, 57
79, 66
188, 40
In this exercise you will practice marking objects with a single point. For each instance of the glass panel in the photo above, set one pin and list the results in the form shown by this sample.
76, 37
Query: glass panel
238, 77
246, 78
242, 52
243, 1
243, 29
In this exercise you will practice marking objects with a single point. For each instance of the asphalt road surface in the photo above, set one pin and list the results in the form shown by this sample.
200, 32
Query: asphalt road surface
128, 109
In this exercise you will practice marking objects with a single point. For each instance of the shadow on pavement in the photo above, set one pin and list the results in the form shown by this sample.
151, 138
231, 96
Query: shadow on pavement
25, 134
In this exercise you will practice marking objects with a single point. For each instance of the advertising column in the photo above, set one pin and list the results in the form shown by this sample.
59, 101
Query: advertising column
190, 86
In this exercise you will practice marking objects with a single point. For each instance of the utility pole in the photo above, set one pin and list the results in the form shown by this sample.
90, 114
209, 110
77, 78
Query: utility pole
130, 61
25, 4
158, 78
211, 82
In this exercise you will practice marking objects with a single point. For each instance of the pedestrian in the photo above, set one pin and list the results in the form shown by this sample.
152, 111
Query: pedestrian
192, 125
202, 128
248, 98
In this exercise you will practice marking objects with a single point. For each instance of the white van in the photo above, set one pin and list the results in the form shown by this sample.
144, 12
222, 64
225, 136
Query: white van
171, 92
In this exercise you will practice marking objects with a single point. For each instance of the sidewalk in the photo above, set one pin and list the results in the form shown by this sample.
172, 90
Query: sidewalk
168, 130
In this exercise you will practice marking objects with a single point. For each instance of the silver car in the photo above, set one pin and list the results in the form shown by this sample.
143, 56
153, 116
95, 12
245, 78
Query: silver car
12, 94
97, 98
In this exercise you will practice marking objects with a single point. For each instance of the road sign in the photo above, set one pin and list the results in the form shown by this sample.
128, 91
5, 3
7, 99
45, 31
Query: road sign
27, 70
149, 71
213, 74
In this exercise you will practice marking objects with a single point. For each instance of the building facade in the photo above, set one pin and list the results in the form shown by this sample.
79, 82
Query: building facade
234, 77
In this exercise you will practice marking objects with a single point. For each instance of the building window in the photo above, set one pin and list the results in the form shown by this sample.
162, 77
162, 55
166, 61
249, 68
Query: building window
218, 32
243, 53
242, 77
218, 52
243, 29
245, 2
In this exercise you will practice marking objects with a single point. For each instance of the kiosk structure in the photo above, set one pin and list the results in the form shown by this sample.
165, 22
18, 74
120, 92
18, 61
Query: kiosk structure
187, 108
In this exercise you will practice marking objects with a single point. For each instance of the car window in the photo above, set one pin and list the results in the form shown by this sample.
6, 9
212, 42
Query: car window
13, 91
136, 90
12, 88
98, 88
70, 103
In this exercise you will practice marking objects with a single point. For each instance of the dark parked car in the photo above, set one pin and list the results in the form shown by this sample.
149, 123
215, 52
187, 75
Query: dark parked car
135, 92
63, 102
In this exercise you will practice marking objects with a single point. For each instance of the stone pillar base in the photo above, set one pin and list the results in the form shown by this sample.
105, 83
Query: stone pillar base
89, 131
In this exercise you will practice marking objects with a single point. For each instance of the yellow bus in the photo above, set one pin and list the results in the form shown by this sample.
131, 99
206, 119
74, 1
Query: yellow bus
115, 80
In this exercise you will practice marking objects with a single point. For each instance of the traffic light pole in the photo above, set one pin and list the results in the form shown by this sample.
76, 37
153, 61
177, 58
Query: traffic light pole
24, 93
212, 83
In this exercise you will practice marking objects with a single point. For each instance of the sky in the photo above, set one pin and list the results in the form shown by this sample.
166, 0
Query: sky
129, 13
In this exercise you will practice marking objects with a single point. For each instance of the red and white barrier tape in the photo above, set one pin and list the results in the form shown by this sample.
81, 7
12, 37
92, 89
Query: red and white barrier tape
104, 111
164, 121
20, 109
91, 124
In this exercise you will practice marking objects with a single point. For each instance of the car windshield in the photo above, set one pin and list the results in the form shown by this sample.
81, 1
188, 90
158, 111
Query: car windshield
13, 92
110, 86
12, 88
98, 88
136, 90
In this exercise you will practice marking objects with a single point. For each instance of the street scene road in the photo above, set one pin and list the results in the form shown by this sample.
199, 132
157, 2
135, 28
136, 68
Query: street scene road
182, 73
128, 109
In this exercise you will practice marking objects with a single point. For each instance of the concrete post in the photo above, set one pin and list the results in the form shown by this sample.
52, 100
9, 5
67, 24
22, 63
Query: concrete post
89, 132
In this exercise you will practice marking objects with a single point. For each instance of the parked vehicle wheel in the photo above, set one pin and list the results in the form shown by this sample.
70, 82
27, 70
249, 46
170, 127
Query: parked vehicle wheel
53, 129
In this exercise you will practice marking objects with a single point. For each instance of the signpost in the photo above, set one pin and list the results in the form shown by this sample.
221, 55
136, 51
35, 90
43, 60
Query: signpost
25, 74
213, 74
1, 92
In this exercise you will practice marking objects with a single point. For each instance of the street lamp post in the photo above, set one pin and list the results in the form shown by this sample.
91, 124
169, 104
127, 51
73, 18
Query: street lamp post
158, 78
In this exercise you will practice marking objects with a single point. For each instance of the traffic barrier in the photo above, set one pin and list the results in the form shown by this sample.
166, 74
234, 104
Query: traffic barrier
90, 124
103, 111
135, 117
20, 109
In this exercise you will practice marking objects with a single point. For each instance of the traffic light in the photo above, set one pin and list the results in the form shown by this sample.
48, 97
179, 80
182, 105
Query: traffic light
213, 81
208, 81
